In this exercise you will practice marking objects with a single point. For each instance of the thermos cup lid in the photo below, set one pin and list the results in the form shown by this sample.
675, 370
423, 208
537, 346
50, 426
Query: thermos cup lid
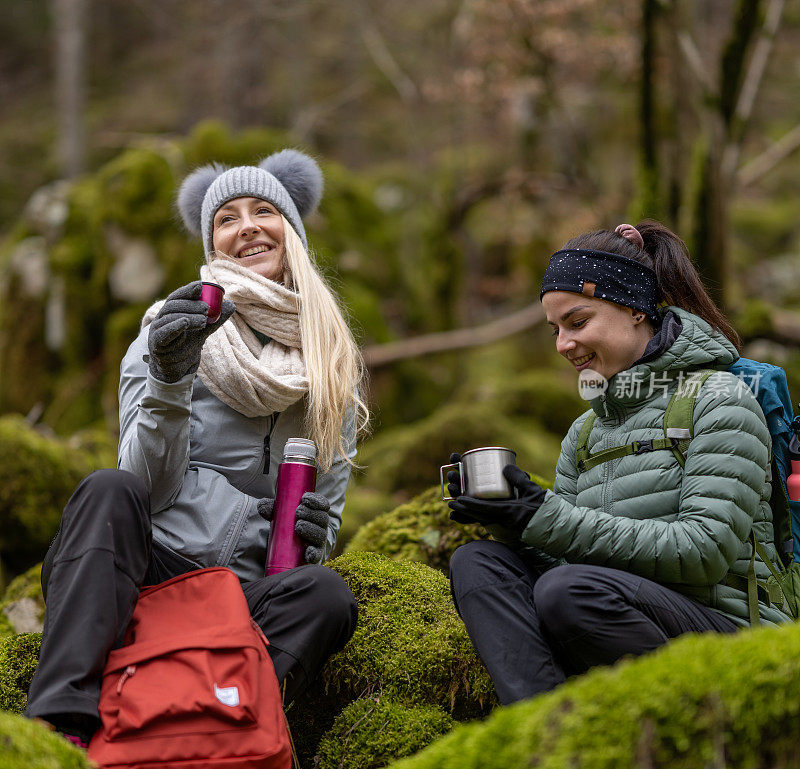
300, 448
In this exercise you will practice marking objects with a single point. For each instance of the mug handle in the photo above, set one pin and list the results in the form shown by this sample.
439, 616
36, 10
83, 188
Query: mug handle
441, 477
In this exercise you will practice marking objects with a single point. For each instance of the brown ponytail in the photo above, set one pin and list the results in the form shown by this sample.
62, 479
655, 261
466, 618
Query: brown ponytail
666, 254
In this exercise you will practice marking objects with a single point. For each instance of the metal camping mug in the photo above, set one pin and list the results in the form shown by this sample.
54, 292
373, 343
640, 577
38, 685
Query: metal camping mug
481, 473
211, 294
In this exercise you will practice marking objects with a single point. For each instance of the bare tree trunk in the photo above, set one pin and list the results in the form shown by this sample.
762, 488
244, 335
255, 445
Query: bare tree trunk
650, 194
69, 21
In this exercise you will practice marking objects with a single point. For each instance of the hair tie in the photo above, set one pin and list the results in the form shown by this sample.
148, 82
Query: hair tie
629, 232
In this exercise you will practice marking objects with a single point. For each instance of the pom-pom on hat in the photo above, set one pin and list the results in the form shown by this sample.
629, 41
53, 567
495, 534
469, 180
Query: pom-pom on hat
290, 180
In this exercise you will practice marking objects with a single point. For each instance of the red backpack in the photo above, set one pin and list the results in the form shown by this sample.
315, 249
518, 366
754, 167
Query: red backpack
193, 686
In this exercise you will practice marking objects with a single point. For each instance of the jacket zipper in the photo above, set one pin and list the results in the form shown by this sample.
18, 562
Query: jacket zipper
270, 427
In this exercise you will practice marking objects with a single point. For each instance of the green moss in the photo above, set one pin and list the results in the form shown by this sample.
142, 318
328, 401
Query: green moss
409, 644
30, 745
551, 398
19, 656
370, 733
755, 319
701, 701
211, 141
408, 458
37, 477
361, 506
25, 586
409, 647
420, 530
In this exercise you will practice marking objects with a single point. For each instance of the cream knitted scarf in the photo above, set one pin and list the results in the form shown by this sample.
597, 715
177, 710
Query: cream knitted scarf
254, 380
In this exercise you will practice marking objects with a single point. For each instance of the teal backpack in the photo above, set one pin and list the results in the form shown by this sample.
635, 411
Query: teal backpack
768, 384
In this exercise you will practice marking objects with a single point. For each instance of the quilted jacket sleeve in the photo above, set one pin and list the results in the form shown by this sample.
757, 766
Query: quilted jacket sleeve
724, 476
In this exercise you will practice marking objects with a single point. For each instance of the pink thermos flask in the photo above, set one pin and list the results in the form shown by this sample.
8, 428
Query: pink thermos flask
793, 481
297, 474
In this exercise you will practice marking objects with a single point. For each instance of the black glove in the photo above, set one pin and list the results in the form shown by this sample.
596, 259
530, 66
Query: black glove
311, 522
513, 514
178, 332
453, 480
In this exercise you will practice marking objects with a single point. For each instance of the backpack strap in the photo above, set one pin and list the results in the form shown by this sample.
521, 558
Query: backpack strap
678, 430
679, 416
582, 447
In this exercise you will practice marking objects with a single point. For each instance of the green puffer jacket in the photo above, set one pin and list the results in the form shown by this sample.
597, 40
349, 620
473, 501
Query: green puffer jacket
684, 528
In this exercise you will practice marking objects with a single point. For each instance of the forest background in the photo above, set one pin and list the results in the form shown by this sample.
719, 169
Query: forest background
463, 141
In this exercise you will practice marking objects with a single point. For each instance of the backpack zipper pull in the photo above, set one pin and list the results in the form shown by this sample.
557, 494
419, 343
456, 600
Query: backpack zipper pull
129, 671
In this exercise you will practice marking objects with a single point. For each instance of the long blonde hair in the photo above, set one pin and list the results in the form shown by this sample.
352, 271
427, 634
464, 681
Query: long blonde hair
333, 361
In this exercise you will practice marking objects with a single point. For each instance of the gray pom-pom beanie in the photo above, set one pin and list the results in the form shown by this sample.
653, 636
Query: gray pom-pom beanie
290, 180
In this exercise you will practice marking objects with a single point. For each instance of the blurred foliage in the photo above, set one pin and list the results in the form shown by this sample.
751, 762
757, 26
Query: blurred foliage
27, 587
25, 743
37, 476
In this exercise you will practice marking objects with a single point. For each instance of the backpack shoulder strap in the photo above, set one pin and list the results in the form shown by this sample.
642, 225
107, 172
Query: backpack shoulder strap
678, 426
679, 415
582, 446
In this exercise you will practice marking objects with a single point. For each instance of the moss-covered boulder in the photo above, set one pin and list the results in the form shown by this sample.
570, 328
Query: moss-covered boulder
420, 530
407, 459
410, 649
19, 656
37, 476
22, 605
25, 744
701, 701
372, 732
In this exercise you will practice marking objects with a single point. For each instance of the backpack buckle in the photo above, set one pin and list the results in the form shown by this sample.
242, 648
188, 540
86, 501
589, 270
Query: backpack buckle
642, 447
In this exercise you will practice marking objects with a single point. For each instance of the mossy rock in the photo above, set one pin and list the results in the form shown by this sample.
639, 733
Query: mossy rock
409, 647
408, 458
701, 701
19, 656
22, 605
420, 530
25, 744
362, 505
37, 477
371, 733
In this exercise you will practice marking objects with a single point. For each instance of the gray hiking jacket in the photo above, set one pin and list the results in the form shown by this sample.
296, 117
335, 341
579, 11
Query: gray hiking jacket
206, 465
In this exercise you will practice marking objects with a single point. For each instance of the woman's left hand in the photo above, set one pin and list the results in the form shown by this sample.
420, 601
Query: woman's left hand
513, 514
311, 522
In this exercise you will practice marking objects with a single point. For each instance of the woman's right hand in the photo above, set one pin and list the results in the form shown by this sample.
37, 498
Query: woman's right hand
178, 332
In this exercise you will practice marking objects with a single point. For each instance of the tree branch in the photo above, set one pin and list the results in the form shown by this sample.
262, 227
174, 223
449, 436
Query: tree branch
771, 157
695, 61
386, 63
752, 81
457, 339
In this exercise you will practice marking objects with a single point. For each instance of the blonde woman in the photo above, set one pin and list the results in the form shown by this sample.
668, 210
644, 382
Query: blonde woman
205, 411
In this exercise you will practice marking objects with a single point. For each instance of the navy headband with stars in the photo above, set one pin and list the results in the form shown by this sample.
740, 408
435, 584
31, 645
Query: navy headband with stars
605, 276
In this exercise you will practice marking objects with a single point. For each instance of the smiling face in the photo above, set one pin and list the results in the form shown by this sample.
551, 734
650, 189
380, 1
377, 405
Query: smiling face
595, 334
250, 230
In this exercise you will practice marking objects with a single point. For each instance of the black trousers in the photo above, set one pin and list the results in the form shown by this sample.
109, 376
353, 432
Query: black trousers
104, 553
533, 629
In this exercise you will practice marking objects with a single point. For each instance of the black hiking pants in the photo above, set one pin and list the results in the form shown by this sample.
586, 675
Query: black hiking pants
533, 629
101, 556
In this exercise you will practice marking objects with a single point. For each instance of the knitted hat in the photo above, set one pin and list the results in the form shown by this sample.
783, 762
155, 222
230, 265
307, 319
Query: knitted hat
290, 180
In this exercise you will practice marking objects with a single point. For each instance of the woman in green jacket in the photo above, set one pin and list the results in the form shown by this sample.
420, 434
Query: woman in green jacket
627, 553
